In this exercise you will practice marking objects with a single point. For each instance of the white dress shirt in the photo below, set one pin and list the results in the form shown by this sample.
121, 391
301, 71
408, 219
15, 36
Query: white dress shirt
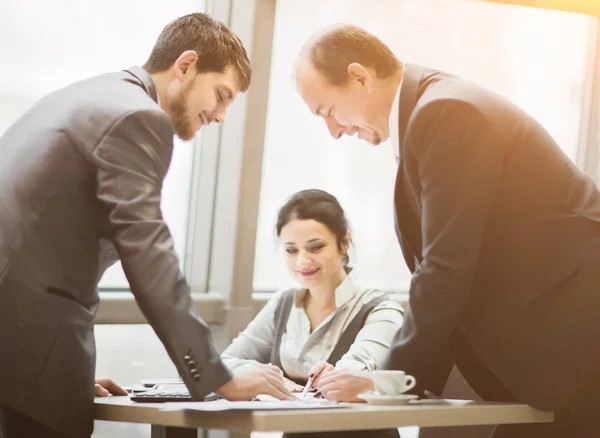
394, 134
300, 349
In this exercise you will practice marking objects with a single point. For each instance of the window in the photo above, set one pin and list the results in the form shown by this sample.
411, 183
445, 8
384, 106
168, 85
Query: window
515, 51
41, 54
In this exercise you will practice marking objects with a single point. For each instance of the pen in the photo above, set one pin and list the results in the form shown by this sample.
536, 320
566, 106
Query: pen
307, 387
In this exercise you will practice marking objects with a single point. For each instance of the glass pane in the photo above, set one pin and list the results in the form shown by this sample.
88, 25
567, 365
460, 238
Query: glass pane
175, 202
515, 51
41, 54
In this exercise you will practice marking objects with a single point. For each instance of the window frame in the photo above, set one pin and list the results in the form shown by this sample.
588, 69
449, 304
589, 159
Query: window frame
223, 206
221, 240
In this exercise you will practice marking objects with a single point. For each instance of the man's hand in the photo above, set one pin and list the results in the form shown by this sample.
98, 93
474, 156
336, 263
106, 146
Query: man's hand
104, 387
251, 381
319, 370
345, 385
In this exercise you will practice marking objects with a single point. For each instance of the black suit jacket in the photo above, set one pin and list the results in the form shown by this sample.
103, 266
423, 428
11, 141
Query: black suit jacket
80, 186
502, 234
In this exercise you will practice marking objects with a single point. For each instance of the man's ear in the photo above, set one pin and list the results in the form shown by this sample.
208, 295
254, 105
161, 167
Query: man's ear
359, 73
185, 64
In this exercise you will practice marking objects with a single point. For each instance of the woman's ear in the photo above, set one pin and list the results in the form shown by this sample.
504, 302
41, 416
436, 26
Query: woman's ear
346, 243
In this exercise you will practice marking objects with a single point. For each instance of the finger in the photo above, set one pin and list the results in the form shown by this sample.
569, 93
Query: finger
113, 388
339, 394
335, 395
276, 391
326, 389
325, 394
273, 371
328, 368
100, 391
317, 368
275, 368
289, 381
346, 391
349, 395
328, 378
332, 394
279, 384
340, 390
292, 386
277, 379
282, 395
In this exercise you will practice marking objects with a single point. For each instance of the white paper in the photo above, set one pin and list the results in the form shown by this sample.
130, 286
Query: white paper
309, 398
224, 405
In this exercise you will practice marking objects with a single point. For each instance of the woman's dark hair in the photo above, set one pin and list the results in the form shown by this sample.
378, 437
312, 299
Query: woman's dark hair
320, 206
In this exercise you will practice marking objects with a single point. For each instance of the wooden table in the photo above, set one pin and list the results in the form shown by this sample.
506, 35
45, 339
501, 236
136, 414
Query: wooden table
180, 423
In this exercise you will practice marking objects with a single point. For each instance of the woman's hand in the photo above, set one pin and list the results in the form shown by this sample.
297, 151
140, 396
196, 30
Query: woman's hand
319, 370
345, 385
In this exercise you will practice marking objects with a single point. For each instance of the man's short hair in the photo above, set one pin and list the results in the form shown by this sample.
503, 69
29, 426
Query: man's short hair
332, 51
216, 45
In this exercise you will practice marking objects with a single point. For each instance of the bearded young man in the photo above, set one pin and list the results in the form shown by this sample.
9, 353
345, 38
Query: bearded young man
80, 187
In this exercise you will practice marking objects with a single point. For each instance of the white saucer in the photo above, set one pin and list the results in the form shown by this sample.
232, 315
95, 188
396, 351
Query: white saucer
373, 398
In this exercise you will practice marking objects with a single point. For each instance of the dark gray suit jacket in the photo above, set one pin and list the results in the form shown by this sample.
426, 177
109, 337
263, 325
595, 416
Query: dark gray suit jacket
80, 186
502, 233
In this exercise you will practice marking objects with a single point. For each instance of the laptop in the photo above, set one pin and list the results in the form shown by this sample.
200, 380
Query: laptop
164, 392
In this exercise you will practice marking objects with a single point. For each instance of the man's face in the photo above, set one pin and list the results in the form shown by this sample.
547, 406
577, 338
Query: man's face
199, 99
347, 109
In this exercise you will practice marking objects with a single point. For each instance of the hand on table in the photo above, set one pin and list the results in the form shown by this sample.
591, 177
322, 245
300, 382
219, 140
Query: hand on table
345, 385
105, 387
248, 382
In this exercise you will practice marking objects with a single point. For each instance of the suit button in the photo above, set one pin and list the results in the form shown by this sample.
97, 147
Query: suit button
187, 357
196, 376
191, 363
194, 371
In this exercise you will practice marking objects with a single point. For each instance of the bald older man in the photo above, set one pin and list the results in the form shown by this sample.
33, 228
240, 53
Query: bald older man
500, 230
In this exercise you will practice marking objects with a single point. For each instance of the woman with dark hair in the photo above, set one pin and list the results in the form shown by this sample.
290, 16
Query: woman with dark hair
328, 319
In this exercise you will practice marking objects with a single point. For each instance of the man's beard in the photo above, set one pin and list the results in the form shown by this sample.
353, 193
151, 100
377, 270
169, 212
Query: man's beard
180, 117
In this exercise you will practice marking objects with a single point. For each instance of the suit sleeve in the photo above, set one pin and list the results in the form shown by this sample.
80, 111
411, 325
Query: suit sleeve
133, 159
459, 164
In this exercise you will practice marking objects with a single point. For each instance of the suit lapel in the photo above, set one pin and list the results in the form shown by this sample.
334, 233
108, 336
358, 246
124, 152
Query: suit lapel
399, 220
408, 227
145, 80
408, 99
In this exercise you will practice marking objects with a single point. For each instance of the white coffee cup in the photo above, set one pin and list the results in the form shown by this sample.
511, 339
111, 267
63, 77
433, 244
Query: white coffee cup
391, 382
